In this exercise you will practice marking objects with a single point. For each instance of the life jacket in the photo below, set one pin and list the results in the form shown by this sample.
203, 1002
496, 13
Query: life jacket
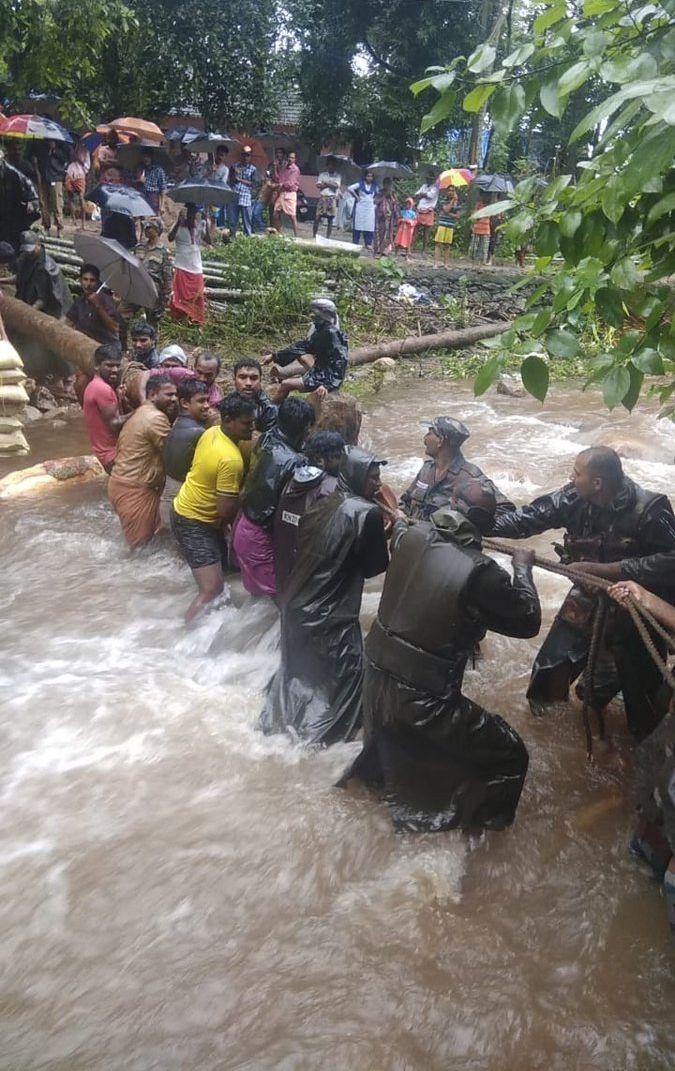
424, 631
612, 534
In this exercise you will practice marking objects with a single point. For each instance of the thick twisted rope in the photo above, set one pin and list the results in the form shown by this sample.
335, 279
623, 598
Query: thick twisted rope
637, 612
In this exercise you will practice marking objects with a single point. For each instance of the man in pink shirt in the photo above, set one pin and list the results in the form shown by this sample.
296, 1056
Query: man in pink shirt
101, 409
286, 203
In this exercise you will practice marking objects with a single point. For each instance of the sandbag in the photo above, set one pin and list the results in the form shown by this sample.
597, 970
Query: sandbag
8, 424
13, 442
13, 399
12, 377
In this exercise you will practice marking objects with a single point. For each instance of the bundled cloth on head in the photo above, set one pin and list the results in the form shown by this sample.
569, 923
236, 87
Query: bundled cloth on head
438, 758
315, 695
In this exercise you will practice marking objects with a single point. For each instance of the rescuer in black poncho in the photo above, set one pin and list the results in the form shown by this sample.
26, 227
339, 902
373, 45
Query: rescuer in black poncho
307, 486
326, 345
275, 457
619, 531
315, 696
439, 759
434, 485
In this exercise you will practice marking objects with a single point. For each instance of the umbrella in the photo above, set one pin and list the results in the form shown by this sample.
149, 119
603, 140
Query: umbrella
495, 183
130, 155
389, 169
140, 127
270, 140
183, 133
208, 142
123, 199
349, 171
202, 191
455, 176
32, 126
120, 269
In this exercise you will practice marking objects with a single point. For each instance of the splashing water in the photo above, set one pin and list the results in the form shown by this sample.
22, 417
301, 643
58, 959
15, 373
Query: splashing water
181, 892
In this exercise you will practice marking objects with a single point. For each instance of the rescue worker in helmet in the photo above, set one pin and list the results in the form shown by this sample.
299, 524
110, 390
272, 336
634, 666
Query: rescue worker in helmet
434, 484
315, 696
439, 759
619, 531
324, 353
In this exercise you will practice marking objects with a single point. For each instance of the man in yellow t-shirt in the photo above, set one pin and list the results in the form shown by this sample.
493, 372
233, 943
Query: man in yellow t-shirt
208, 501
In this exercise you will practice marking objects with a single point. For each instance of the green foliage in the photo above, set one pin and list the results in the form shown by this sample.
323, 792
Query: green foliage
603, 233
110, 57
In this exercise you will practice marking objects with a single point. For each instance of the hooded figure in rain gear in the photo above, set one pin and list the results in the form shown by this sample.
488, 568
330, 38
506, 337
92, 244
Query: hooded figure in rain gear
275, 457
315, 695
39, 280
440, 760
328, 347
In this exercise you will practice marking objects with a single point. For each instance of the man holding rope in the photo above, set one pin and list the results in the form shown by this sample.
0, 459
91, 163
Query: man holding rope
619, 531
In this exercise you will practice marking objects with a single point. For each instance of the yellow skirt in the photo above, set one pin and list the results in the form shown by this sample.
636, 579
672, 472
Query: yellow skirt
444, 235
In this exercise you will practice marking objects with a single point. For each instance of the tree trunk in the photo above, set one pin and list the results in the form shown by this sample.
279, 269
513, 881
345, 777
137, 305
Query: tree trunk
446, 340
56, 336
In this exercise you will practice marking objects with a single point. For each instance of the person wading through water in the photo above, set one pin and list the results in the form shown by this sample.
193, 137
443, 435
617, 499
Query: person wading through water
434, 484
616, 530
315, 696
137, 478
208, 502
275, 458
181, 442
439, 759
309, 483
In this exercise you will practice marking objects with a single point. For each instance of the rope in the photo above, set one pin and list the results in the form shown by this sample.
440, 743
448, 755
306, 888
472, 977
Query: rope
636, 611
599, 621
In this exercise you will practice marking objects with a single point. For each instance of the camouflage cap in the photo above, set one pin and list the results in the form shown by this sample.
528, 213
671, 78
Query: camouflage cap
449, 428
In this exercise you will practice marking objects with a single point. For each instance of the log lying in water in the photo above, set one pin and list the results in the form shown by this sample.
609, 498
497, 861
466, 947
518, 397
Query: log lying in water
446, 340
22, 320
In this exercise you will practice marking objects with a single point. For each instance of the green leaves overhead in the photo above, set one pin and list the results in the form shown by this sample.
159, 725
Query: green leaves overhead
535, 375
604, 234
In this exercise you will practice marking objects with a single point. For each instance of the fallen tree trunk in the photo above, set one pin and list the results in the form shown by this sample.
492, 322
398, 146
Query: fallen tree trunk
23, 321
446, 340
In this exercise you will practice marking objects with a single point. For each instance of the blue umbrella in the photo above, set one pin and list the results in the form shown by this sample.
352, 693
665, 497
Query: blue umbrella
121, 199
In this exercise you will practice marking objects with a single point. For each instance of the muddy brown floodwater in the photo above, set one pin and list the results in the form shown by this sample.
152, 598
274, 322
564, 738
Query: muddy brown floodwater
180, 893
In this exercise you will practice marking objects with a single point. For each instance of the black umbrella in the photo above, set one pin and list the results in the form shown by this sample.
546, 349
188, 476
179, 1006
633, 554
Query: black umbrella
495, 183
130, 155
124, 200
120, 269
209, 142
383, 169
346, 167
202, 191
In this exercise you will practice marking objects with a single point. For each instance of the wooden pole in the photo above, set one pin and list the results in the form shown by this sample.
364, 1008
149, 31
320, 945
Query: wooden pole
22, 320
446, 340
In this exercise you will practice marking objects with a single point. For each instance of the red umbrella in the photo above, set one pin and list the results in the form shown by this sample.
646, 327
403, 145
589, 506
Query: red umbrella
32, 126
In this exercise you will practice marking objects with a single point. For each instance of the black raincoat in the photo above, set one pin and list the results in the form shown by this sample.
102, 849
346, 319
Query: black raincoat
306, 487
274, 460
440, 760
329, 347
39, 278
426, 494
265, 411
316, 694
17, 192
637, 529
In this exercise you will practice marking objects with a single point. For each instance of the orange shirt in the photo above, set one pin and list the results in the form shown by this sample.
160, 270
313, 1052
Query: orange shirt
481, 226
